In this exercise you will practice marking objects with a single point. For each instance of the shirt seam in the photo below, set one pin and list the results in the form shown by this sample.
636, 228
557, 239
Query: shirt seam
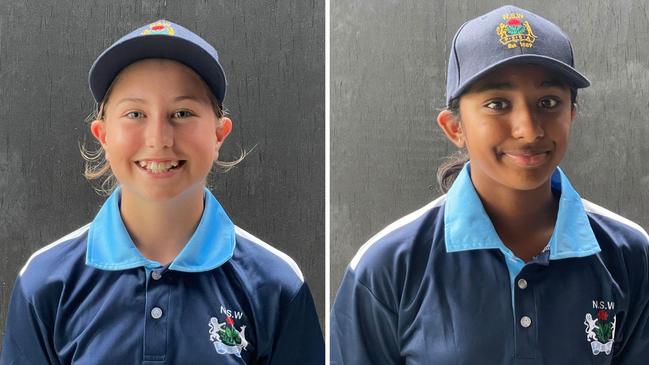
286, 321
21, 353
385, 306
294, 295
32, 309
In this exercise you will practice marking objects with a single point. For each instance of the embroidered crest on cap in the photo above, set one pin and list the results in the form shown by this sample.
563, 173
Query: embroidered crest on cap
600, 329
224, 335
159, 27
515, 32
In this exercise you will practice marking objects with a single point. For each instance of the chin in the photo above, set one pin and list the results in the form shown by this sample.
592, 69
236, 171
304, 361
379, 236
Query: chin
528, 180
162, 194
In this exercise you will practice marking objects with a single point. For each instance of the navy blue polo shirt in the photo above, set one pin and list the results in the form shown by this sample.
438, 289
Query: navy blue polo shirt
227, 298
439, 287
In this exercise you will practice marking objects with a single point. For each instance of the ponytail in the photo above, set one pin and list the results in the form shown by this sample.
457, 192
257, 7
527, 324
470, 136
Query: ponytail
452, 165
449, 169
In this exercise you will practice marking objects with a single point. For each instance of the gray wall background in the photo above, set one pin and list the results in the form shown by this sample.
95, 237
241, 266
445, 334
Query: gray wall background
273, 55
388, 72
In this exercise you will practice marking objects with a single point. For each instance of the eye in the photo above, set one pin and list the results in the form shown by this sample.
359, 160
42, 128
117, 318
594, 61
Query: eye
134, 115
497, 104
548, 103
180, 114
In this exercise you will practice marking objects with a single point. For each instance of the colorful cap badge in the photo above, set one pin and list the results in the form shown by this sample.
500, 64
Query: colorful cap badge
160, 39
515, 32
159, 27
503, 36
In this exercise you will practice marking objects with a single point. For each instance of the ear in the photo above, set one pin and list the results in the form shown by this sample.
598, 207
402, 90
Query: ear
223, 130
98, 130
451, 127
573, 112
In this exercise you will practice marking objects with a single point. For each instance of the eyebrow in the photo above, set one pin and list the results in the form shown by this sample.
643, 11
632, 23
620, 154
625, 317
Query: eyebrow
176, 99
191, 97
554, 83
136, 100
494, 86
507, 86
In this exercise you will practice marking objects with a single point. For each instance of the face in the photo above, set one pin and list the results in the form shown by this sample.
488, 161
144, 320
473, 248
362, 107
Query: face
515, 124
160, 131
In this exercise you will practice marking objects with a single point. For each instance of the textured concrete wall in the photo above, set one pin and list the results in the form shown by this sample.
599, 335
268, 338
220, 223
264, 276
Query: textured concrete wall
273, 55
388, 72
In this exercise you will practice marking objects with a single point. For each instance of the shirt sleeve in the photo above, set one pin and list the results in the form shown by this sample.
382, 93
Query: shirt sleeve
363, 330
26, 339
634, 349
300, 338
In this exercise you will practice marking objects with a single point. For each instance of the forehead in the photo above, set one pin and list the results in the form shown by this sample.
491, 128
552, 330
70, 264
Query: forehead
515, 76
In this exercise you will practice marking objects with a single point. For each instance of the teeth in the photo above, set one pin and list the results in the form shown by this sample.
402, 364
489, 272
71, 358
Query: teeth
158, 167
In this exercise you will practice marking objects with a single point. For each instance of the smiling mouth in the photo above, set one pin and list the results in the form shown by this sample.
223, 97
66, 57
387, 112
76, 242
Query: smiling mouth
159, 167
528, 158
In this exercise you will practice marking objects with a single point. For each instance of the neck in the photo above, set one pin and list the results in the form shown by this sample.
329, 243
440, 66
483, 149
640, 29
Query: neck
161, 229
524, 220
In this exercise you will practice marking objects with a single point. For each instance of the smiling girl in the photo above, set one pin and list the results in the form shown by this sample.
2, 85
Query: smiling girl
161, 275
510, 266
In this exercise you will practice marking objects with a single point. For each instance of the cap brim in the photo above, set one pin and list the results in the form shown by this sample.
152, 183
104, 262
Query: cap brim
573, 77
116, 58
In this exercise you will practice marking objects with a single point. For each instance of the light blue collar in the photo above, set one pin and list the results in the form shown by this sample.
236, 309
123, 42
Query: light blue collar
110, 247
467, 226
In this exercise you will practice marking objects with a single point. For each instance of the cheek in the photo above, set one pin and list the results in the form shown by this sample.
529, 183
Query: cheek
559, 129
485, 135
120, 141
201, 140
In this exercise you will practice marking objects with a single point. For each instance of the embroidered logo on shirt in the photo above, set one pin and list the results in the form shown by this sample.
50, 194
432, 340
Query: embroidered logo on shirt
225, 336
600, 327
515, 32
159, 27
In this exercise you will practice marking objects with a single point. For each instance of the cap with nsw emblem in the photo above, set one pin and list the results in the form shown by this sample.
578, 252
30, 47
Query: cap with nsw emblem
160, 39
508, 35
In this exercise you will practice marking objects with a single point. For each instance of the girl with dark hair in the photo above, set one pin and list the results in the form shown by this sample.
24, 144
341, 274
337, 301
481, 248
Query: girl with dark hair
510, 266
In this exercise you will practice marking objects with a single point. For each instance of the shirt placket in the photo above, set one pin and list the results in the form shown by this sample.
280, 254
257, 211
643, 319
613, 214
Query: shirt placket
156, 314
525, 308
525, 315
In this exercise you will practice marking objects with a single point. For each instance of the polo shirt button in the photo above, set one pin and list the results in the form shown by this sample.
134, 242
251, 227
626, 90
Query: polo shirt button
156, 312
526, 321
155, 275
522, 283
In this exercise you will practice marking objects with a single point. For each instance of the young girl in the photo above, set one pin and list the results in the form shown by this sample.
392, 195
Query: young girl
161, 275
510, 266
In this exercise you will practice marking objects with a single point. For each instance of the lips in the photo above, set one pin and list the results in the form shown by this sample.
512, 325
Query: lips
159, 166
528, 158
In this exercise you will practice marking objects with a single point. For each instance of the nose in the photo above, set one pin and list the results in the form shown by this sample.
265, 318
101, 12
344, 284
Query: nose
526, 126
159, 132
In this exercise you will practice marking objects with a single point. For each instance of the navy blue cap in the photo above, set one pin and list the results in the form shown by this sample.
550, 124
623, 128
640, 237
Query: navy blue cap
504, 36
161, 39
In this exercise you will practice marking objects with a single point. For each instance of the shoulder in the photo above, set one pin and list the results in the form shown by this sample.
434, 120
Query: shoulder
264, 266
395, 258
624, 245
398, 238
401, 247
614, 230
51, 265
